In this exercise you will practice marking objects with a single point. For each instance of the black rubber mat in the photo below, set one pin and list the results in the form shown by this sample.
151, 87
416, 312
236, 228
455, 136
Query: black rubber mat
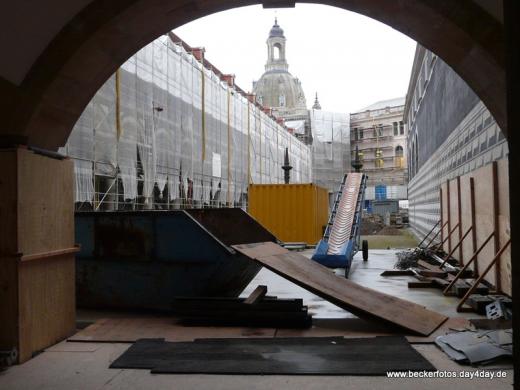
275, 356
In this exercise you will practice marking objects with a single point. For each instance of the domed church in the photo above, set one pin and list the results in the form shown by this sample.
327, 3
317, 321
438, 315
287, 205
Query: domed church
281, 91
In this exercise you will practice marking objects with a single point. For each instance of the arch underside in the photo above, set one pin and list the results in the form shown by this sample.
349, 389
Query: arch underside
44, 108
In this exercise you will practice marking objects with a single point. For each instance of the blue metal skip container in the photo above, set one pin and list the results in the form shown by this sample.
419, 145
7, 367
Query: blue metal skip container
142, 260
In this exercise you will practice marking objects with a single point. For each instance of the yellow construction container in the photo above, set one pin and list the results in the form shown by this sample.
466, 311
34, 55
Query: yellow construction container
292, 212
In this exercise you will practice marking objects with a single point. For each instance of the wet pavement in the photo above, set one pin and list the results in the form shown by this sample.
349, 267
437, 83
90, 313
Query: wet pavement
70, 365
366, 274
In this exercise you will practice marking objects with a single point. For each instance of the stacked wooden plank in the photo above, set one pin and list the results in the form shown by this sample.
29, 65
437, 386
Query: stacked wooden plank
257, 310
429, 274
357, 299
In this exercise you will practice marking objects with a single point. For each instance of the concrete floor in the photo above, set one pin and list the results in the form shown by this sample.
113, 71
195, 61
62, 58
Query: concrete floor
366, 274
85, 365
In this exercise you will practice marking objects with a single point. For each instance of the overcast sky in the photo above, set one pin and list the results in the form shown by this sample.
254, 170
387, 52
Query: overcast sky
350, 60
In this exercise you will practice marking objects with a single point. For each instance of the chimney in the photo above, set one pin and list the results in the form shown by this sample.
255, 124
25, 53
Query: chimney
198, 53
229, 79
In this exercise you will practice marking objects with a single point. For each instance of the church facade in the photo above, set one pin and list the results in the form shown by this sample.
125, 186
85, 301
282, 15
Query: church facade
280, 90
327, 133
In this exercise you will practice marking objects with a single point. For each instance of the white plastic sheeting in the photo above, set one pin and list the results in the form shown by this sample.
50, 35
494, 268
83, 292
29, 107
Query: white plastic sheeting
164, 124
330, 148
298, 126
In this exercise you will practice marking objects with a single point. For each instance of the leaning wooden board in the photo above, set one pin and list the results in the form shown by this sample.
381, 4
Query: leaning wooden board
359, 300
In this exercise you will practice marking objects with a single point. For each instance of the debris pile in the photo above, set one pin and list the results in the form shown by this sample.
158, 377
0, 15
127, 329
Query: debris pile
408, 259
390, 231
373, 227
477, 346
369, 228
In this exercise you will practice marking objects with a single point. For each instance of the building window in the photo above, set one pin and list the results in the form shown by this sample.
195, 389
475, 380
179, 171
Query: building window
281, 100
396, 131
277, 51
360, 133
399, 157
355, 132
378, 130
260, 99
379, 163
401, 128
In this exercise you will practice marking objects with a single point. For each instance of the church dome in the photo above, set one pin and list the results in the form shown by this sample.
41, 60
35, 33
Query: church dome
276, 30
280, 89
277, 88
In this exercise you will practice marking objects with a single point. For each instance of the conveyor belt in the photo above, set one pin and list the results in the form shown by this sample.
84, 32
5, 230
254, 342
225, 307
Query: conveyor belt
341, 229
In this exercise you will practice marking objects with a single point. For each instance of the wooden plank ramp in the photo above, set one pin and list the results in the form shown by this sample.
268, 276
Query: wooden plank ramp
357, 299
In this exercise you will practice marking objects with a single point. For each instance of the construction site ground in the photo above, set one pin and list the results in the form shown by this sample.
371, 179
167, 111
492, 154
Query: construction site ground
74, 365
391, 238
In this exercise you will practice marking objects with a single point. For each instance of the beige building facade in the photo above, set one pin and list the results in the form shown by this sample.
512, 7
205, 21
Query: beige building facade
379, 133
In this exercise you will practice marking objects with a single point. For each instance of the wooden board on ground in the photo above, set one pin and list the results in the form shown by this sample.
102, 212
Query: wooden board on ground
129, 330
340, 327
421, 284
451, 325
357, 299
357, 327
397, 272
257, 295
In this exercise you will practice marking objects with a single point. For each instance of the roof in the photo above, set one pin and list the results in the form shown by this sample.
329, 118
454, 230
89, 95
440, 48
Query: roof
276, 30
384, 103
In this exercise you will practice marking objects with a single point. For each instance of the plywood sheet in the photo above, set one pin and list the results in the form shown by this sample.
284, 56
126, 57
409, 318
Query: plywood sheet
444, 216
484, 223
484, 219
45, 203
129, 330
37, 305
504, 225
468, 247
342, 292
47, 303
454, 217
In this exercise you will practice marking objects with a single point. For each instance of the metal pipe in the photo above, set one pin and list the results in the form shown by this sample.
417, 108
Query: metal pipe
436, 235
467, 264
456, 246
477, 282
449, 234
430, 232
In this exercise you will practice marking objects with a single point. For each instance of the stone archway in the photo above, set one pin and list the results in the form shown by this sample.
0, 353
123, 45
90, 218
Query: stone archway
42, 108
105, 33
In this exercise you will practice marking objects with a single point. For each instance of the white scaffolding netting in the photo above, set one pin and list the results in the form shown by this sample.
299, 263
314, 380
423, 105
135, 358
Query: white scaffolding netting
330, 148
166, 131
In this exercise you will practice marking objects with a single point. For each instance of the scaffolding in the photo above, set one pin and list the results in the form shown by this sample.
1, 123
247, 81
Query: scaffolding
330, 149
168, 130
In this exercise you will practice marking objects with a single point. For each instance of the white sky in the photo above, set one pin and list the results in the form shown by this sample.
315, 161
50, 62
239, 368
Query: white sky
351, 61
